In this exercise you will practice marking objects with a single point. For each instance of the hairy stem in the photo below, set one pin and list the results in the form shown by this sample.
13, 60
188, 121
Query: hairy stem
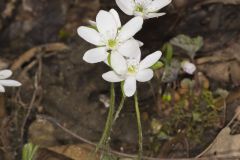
107, 130
140, 136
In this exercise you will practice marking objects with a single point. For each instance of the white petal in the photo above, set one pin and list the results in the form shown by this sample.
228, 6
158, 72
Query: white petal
90, 35
92, 23
130, 28
157, 5
10, 83
140, 43
95, 55
127, 6
144, 75
150, 60
118, 63
153, 15
111, 76
5, 74
106, 24
2, 89
188, 67
130, 86
116, 17
130, 48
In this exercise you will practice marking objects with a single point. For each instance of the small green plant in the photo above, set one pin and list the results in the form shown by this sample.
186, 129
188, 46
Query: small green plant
29, 151
190, 111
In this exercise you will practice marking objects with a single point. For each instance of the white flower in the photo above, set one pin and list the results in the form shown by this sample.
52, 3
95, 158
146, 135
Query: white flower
188, 67
4, 74
134, 70
110, 35
145, 8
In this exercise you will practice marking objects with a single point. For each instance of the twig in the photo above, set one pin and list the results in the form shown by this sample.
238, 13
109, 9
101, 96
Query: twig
31, 105
119, 154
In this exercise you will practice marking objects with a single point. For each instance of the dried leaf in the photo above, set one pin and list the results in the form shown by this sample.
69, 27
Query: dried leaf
76, 152
235, 73
218, 72
225, 145
223, 65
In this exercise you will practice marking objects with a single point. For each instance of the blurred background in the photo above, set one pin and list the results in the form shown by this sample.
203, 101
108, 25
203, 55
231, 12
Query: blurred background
39, 42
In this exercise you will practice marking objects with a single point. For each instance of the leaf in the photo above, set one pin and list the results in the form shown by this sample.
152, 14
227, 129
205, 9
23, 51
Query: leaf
29, 151
225, 145
223, 65
196, 117
191, 45
76, 152
168, 50
171, 72
157, 65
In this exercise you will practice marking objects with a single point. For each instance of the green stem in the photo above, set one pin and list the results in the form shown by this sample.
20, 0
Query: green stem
120, 107
107, 130
140, 136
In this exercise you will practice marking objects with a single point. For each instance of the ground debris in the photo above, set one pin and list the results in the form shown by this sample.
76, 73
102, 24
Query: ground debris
234, 2
223, 65
30, 54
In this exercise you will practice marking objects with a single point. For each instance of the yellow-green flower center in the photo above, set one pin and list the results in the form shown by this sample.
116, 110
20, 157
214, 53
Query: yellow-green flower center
132, 69
139, 8
112, 43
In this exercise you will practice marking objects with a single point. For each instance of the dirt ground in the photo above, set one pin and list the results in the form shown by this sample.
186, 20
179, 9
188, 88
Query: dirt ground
38, 41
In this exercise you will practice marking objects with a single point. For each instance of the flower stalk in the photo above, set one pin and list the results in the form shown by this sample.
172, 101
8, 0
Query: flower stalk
107, 130
120, 107
140, 136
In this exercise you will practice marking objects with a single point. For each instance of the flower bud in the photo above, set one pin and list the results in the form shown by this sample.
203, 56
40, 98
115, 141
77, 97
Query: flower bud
188, 67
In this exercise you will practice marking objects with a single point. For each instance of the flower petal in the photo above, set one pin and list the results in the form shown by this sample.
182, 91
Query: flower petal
10, 83
130, 86
130, 48
118, 63
95, 55
140, 43
188, 67
130, 28
90, 35
153, 15
106, 24
127, 6
144, 75
111, 76
92, 23
150, 60
116, 17
157, 5
5, 73
2, 89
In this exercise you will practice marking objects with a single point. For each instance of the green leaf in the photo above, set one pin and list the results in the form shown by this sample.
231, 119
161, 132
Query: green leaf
29, 151
196, 117
191, 45
168, 51
167, 97
157, 65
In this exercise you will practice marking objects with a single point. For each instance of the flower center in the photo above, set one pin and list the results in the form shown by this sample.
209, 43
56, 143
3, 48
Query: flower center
132, 66
139, 8
112, 43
